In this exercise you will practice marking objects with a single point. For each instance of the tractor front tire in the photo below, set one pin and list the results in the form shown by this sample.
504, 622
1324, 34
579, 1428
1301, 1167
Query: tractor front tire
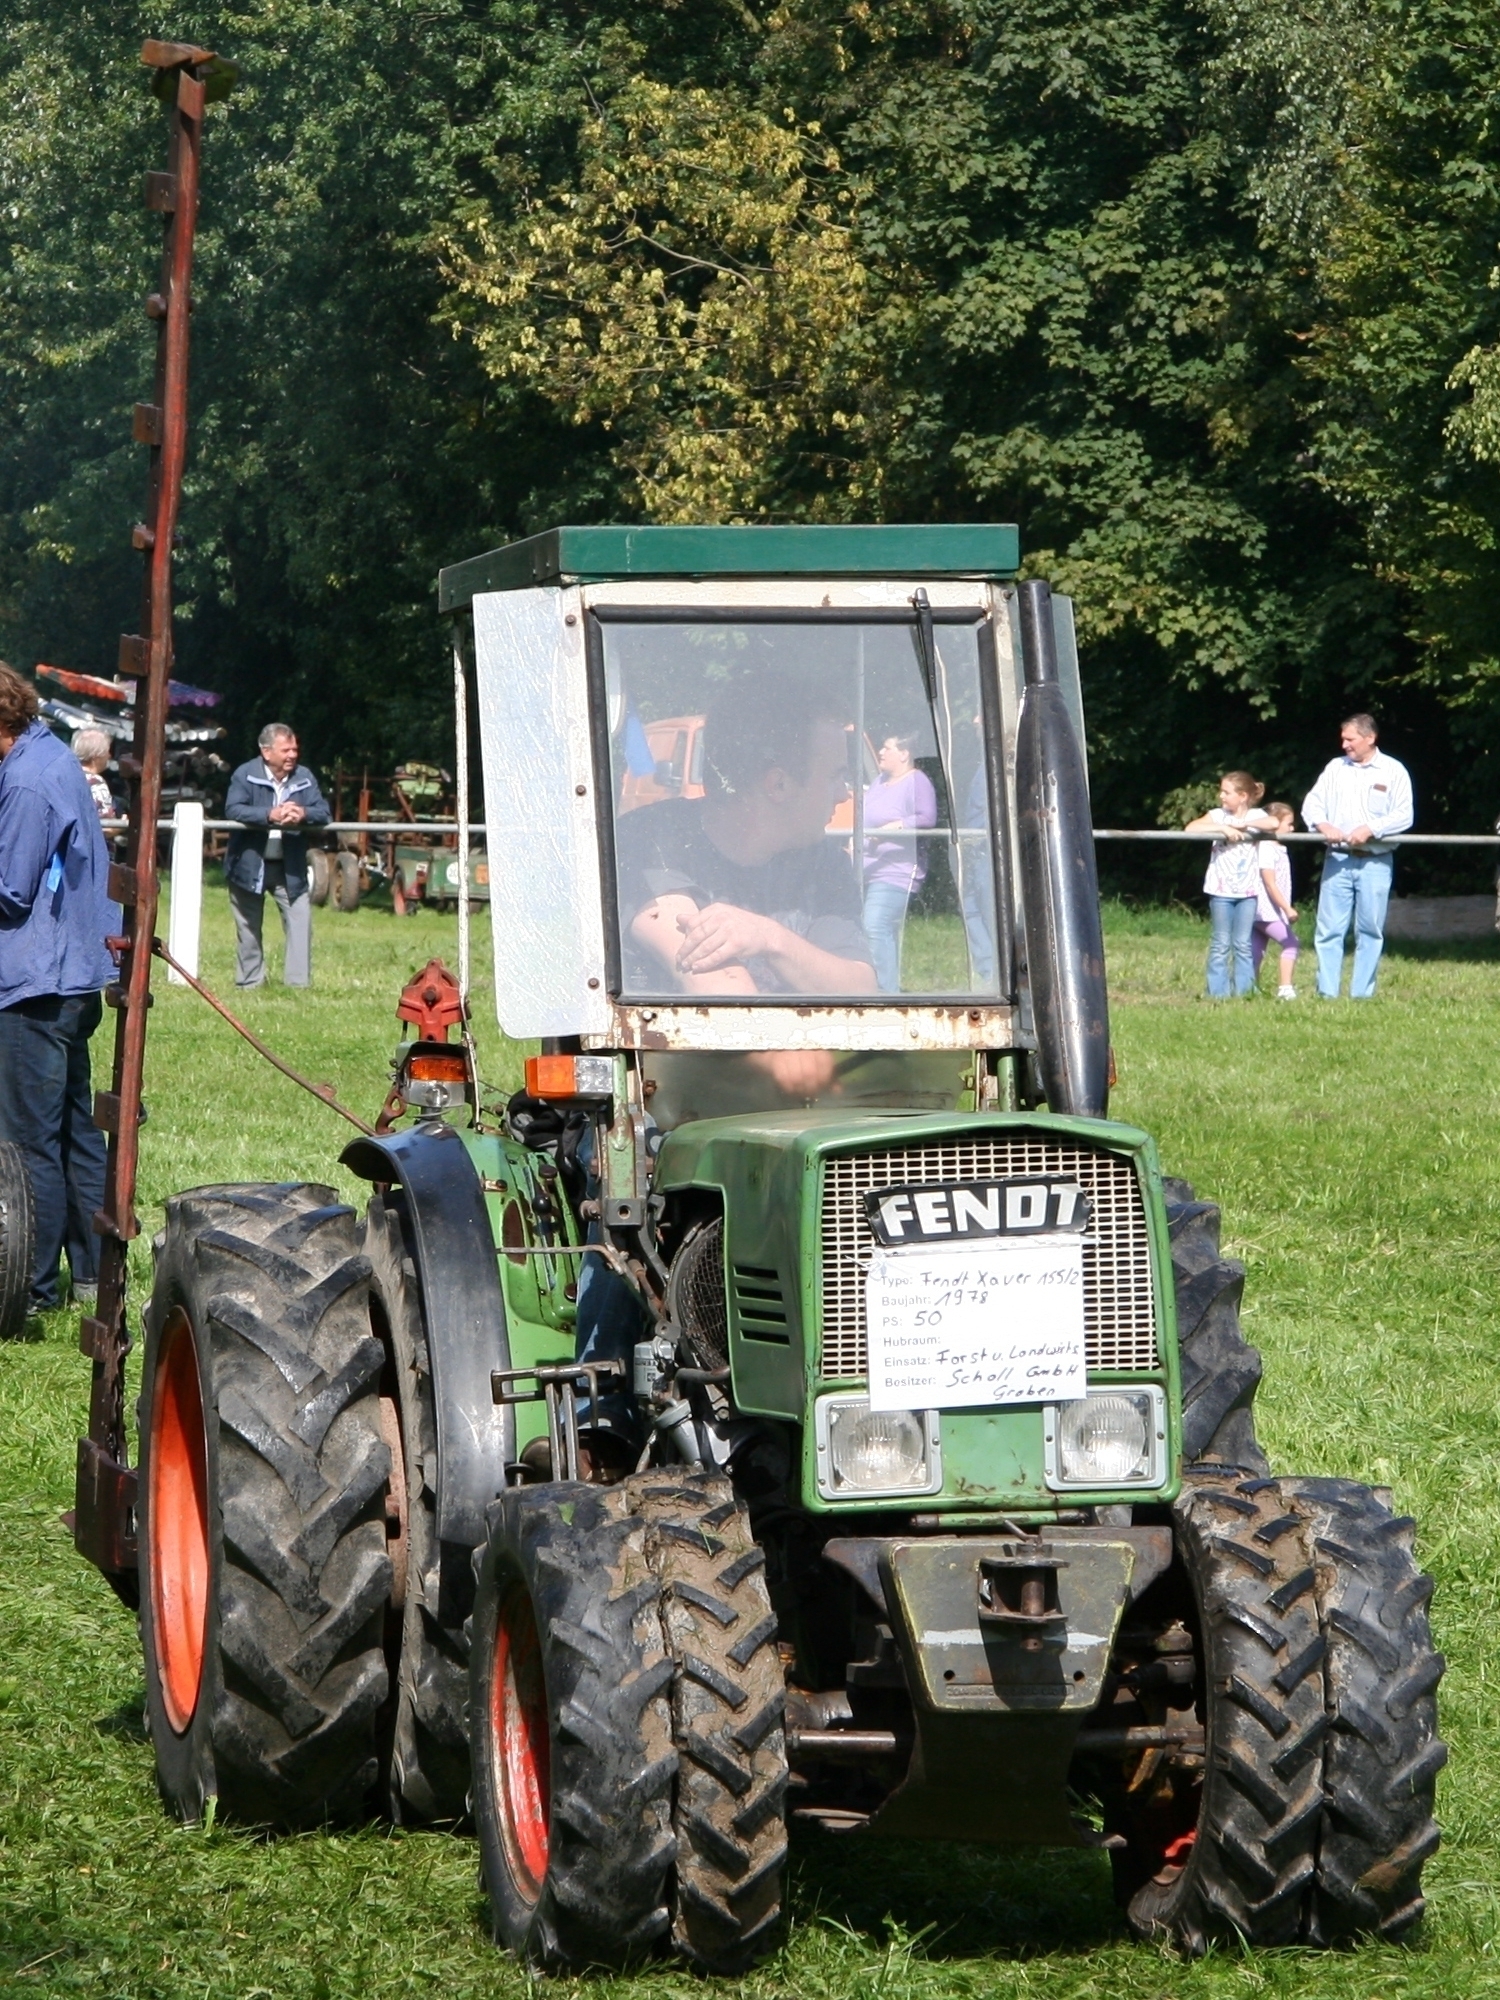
1220, 1369
17, 1241
728, 1704
572, 1730
1237, 1860
262, 1535
317, 876
429, 1730
1383, 1751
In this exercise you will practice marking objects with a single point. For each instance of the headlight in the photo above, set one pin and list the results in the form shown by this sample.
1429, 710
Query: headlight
864, 1451
1114, 1437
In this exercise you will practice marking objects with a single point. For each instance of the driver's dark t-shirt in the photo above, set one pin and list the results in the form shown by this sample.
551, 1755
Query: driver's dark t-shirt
662, 850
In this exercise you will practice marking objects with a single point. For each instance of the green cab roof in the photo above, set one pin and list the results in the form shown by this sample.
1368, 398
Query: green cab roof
606, 555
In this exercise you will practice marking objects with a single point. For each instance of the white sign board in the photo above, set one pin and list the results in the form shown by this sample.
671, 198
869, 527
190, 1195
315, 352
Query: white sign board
995, 1322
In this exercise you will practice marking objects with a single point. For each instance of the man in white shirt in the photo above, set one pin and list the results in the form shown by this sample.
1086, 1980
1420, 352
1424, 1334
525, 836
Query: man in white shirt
1361, 799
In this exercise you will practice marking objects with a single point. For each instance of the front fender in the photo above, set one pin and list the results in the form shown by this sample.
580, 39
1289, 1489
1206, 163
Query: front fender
463, 1313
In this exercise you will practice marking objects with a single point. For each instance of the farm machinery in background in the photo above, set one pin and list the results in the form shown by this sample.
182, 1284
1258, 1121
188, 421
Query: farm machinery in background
417, 868
802, 1402
192, 770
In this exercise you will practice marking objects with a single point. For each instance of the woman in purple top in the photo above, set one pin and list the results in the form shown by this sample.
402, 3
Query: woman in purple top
900, 800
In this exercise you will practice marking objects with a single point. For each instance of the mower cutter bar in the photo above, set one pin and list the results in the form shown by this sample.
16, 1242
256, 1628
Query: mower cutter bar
187, 79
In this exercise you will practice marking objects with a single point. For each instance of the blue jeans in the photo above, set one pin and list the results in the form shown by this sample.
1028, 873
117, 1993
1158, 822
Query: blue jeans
885, 919
1357, 887
979, 924
47, 1110
1231, 920
611, 1319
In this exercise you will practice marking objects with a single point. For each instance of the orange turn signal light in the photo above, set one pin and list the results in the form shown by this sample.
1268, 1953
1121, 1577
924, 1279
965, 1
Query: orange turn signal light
437, 1069
551, 1076
570, 1076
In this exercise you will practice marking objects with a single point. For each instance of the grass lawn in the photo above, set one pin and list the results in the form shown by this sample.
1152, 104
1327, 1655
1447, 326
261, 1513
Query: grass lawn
1354, 1150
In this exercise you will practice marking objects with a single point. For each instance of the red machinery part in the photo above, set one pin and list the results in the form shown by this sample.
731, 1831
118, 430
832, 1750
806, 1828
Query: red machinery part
186, 79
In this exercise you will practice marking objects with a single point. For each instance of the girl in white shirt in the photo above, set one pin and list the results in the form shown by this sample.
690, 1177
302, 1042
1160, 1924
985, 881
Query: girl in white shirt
1232, 883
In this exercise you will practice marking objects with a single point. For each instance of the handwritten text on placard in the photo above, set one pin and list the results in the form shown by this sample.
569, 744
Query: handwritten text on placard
998, 1322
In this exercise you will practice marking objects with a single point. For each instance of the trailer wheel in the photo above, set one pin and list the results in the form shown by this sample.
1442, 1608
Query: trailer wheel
728, 1698
346, 882
17, 1241
429, 1742
1229, 1852
262, 1480
317, 875
572, 1730
1220, 1369
1383, 1752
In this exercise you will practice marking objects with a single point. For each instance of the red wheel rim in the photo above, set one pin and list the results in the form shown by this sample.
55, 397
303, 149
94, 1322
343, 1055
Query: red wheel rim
520, 1743
178, 1517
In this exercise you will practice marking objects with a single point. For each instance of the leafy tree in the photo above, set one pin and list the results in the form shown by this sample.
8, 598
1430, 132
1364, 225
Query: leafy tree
691, 293
1197, 291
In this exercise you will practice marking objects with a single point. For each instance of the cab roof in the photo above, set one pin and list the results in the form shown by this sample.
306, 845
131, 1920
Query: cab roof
605, 555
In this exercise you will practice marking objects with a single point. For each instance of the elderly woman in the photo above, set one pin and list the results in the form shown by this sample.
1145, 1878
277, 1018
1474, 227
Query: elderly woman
900, 800
93, 750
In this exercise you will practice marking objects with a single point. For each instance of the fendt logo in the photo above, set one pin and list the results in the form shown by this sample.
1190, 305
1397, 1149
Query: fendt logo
960, 1211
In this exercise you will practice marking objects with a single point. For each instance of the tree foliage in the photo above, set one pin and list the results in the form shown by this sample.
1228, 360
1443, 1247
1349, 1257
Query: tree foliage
690, 292
1203, 293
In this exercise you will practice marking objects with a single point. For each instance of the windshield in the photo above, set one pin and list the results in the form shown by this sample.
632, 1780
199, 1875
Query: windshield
799, 806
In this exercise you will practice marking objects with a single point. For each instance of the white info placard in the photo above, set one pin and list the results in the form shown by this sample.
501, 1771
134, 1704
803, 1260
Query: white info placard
993, 1322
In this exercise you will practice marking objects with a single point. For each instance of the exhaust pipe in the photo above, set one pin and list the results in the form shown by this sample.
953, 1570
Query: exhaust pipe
1059, 881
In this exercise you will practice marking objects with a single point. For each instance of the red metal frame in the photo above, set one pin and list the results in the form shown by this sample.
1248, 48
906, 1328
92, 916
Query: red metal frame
186, 78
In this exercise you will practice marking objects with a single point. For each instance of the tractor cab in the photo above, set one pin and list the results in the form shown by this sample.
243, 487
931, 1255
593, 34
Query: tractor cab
762, 781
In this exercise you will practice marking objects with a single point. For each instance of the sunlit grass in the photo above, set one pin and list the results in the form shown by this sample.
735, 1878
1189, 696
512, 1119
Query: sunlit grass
1354, 1150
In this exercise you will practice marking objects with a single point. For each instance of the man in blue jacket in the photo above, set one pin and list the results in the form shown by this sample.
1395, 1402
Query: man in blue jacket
275, 799
55, 915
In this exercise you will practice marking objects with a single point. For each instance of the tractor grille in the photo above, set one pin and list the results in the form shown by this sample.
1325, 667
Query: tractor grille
1119, 1308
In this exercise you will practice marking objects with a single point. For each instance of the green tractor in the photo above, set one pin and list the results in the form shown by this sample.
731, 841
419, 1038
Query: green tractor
800, 1403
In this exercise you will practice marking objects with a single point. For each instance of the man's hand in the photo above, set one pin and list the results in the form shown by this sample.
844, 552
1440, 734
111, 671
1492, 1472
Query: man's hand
1359, 836
798, 1072
1331, 832
287, 815
722, 935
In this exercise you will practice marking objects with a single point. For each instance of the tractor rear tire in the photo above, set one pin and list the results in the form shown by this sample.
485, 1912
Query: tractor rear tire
1241, 1865
317, 876
1383, 1752
346, 881
572, 1730
17, 1241
1220, 1369
728, 1702
429, 1731
263, 1477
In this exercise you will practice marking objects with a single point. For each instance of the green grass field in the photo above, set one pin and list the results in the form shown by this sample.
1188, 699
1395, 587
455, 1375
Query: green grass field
1356, 1152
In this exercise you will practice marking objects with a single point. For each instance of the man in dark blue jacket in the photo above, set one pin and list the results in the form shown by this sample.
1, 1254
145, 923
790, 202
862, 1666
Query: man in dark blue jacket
55, 915
275, 799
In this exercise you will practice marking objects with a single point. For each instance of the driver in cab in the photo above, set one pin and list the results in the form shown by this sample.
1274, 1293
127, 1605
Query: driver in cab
741, 891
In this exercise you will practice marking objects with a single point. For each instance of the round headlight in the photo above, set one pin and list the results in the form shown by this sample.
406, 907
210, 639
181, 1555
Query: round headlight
877, 1450
1104, 1440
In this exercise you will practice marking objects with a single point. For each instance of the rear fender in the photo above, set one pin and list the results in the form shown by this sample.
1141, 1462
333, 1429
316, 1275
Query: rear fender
463, 1314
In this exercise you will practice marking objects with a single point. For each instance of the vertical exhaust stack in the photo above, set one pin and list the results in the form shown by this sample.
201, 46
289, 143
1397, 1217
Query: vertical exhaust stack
1059, 881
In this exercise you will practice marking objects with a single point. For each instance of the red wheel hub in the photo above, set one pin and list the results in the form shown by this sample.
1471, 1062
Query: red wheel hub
520, 1743
178, 1523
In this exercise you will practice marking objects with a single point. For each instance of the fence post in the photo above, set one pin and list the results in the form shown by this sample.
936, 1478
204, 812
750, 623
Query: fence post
185, 915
